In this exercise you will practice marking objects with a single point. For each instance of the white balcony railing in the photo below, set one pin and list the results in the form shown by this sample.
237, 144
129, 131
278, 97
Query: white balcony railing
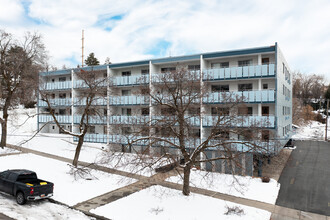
56, 85
266, 70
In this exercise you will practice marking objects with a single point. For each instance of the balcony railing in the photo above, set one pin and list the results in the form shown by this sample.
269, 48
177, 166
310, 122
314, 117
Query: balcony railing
56, 85
83, 84
130, 80
129, 100
101, 120
55, 102
125, 119
241, 121
97, 101
63, 119
257, 96
239, 72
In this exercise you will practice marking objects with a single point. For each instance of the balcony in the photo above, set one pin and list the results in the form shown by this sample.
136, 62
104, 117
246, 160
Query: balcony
130, 80
239, 72
56, 85
168, 76
125, 119
96, 138
62, 119
129, 100
241, 121
101, 101
81, 84
55, 102
95, 119
257, 96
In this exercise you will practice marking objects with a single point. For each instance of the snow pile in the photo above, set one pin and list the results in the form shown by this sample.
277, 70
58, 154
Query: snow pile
158, 202
240, 186
313, 130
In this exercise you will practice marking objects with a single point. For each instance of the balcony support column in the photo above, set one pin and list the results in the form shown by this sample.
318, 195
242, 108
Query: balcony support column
108, 103
259, 109
73, 95
202, 109
259, 59
152, 109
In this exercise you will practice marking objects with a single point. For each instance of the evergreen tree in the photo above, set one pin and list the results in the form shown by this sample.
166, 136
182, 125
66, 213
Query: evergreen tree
327, 93
91, 60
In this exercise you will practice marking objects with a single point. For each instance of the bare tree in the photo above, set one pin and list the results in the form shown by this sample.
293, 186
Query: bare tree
20, 62
307, 87
172, 131
91, 91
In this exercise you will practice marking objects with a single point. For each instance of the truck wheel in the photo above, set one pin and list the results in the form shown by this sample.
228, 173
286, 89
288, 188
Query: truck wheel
20, 199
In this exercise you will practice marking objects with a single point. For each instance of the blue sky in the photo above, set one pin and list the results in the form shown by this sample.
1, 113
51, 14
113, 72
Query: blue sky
129, 30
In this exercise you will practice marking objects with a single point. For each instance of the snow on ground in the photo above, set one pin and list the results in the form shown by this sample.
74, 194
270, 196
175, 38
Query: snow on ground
313, 130
240, 186
158, 202
66, 190
7, 151
42, 209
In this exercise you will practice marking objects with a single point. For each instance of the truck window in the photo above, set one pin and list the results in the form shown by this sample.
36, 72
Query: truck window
12, 176
4, 174
27, 176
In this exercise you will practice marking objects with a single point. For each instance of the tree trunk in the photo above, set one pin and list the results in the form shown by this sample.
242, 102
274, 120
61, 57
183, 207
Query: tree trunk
3, 142
78, 149
3, 134
186, 180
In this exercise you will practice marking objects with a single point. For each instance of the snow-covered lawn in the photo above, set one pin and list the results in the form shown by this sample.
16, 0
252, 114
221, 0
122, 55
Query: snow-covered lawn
240, 186
313, 130
67, 190
158, 202
7, 151
38, 210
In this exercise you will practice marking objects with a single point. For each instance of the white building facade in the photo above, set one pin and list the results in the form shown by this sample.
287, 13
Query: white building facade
260, 74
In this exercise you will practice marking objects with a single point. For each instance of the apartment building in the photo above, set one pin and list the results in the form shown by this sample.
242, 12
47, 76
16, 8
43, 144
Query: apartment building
260, 75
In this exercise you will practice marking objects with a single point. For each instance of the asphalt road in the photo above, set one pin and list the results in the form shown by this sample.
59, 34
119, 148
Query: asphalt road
305, 180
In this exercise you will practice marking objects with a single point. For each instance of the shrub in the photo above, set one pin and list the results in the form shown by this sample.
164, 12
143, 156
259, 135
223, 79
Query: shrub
265, 179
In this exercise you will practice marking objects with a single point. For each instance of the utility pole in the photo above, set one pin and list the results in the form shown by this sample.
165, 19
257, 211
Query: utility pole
326, 123
82, 49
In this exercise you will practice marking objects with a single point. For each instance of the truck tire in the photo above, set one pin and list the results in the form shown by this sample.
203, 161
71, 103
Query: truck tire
20, 199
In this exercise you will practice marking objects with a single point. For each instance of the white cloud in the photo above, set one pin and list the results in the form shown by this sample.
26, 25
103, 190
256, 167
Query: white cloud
301, 28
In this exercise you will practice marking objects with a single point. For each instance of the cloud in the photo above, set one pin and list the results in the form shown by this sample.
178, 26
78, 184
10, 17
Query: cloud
134, 29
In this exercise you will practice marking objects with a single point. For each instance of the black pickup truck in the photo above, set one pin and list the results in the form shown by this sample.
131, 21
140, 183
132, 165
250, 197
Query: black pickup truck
24, 185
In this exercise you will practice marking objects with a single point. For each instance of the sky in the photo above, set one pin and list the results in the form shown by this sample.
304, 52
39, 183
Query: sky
129, 30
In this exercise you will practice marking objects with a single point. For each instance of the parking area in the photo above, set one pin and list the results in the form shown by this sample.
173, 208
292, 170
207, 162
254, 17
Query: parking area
305, 180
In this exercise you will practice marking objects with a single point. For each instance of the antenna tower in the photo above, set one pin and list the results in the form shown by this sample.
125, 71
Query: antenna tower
82, 49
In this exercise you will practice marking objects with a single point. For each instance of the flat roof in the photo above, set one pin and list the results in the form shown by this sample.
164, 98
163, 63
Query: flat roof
209, 55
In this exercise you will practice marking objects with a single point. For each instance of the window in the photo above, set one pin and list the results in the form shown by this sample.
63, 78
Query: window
145, 72
245, 135
219, 111
194, 67
126, 92
265, 135
167, 111
244, 62
105, 112
126, 111
91, 129
245, 87
196, 133
62, 79
221, 134
53, 127
62, 95
245, 110
219, 65
265, 86
126, 130
145, 111
105, 130
224, 65
265, 60
220, 88
167, 69
53, 96
53, 80
126, 73
105, 75
61, 112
